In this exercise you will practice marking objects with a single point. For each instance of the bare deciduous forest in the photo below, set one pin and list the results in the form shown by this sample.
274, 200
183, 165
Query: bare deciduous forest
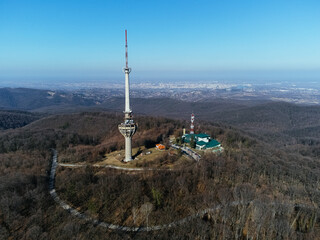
267, 181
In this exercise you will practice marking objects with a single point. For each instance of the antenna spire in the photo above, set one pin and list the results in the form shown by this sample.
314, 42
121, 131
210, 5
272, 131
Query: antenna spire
126, 50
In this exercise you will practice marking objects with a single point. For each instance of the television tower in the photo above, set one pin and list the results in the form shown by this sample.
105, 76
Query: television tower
192, 126
128, 127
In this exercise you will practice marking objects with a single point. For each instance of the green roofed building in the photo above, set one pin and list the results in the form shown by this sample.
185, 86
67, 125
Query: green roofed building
203, 141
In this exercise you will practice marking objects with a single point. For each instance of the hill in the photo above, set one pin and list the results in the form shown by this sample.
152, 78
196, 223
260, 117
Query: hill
31, 99
16, 119
67, 101
262, 191
253, 116
277, 123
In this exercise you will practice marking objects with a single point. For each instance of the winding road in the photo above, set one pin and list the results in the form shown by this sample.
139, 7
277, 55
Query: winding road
113, 167
189, 152
111, 226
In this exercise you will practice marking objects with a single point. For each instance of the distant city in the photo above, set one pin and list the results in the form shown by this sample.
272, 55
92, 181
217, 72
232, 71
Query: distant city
201, 92
297, 92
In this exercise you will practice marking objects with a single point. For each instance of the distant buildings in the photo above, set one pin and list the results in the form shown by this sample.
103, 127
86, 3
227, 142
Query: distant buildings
202, 141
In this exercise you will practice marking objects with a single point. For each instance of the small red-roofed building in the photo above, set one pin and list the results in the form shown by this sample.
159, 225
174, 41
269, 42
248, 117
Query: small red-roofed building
160, 146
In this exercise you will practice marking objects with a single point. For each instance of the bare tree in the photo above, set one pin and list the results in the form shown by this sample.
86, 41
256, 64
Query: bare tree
146, 208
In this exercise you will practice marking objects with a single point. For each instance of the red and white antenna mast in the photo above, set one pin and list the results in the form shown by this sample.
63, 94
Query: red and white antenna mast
192, 126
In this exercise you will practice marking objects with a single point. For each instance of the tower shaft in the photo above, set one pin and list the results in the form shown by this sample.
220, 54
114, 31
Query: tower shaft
127, 109
128, 150
128, 127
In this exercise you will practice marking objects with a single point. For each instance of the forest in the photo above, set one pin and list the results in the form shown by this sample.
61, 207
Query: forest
16, 119
266, 182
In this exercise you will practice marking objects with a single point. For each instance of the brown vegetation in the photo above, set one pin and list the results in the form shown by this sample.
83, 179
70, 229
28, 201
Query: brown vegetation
276, 189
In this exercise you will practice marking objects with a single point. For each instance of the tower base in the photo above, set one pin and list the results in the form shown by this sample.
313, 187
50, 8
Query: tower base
128, 129
128, 150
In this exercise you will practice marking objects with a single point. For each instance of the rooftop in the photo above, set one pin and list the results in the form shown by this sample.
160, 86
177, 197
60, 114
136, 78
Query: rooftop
213, 143
200, 135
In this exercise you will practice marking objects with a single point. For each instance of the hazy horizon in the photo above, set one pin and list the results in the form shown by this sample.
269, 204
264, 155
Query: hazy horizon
307, 79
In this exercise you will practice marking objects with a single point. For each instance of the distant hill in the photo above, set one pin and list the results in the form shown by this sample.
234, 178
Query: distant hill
31, 99
277, 122
168, 107
16, 119
264, 119
260, 117
59, 101
270, 119
273, 116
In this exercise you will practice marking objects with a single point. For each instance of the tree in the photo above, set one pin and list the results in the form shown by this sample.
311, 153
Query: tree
147, 209
157, 196
192, 142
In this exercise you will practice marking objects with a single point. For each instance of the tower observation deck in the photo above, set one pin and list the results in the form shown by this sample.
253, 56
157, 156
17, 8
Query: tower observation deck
128, 127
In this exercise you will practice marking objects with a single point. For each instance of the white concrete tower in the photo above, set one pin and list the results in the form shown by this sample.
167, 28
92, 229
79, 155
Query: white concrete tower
128, 127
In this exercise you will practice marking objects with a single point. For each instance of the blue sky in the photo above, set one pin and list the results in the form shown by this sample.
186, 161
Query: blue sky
167, 39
